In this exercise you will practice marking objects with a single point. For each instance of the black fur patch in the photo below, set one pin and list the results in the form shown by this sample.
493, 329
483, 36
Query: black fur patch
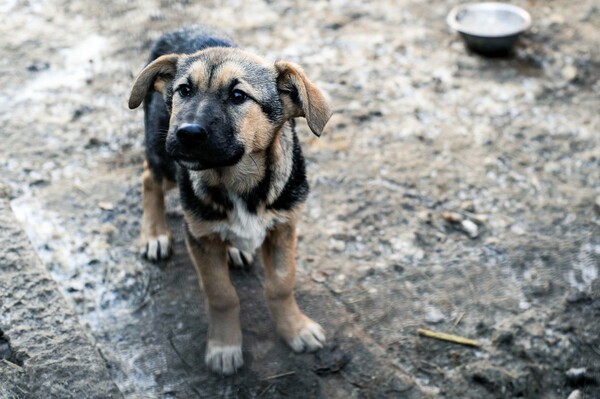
191, 203
156, 122
259, 193
188, 41
296, 189
218, 197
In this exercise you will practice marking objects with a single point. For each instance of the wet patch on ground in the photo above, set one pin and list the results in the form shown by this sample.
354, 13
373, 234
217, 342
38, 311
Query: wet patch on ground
450, 192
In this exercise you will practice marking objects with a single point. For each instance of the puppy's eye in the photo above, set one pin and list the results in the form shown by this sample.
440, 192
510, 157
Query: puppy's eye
184, 90
237, 96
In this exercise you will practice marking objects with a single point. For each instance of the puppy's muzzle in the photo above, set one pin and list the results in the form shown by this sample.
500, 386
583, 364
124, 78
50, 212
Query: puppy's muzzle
191, 134
196, 146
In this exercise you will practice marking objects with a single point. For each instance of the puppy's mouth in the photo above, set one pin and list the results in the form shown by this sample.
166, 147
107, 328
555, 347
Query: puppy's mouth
218, 151
194, 163
191, 165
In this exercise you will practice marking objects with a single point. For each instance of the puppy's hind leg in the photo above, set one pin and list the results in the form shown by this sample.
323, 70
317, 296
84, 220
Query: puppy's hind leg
156, 239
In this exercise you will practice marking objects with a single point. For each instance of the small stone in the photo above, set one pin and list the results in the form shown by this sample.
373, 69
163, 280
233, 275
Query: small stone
540, 288
433, 315
38, 66
398, 268
81, 111
556, 19
518, 229
470, 228
424, 216
318, 276
93, 142
576, 394
108, 229
452, 217
468, 206
337, 245
569, 73
106, 206
331, 360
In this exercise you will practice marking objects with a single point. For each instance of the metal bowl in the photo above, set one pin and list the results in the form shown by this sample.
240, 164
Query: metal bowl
489, 28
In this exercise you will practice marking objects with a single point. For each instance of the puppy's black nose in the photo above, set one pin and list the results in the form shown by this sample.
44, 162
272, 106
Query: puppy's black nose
191, 133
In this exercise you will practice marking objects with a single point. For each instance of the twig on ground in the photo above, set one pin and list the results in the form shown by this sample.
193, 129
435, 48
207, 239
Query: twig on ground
264, 391
448, 337
458, 319
13, 365
280, 375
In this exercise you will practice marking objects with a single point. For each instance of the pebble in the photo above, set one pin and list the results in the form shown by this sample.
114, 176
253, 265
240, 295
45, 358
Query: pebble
106, 206
433, 315
569, 73
107, 229
470, 228
38, 66
576, 394
337, 245
452, 217
319, 276
518, 229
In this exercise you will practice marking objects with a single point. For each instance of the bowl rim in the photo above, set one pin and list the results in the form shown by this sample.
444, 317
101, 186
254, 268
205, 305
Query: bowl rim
453, 22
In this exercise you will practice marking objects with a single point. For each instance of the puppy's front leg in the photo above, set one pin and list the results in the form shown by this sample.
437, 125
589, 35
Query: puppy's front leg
279, 250
156, 239
224, 346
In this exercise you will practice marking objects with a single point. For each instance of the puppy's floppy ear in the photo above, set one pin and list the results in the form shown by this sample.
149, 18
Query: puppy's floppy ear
300, 97
158, 73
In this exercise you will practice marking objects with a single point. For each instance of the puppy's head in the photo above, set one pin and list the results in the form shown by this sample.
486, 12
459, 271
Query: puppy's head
225, 102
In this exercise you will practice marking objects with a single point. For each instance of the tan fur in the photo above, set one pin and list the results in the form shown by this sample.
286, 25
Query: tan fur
259, 126
154, 221
240, 177
157, 74
313, 107
197, 73
279, 251
283, 169
197, 227
226, 73
209, 255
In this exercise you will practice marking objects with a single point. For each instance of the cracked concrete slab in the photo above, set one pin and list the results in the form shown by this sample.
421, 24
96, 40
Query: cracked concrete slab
44, 351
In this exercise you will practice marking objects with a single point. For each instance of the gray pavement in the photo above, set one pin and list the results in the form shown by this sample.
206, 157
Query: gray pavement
44, 351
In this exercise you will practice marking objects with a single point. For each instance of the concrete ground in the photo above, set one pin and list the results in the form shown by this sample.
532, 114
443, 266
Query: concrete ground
450, 192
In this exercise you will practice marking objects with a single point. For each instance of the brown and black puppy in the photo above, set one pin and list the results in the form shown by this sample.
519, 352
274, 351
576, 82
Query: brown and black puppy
219, 121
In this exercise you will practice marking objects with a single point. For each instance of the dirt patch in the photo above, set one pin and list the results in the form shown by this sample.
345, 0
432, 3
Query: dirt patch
450, 191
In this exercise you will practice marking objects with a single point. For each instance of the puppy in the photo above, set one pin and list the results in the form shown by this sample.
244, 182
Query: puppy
219, 122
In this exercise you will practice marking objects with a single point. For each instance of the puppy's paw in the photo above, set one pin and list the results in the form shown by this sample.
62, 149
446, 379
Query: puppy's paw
309, 337
237, 258
224, 359
157, 247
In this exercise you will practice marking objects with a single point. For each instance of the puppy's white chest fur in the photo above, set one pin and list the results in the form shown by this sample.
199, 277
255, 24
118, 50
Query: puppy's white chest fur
245, 230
